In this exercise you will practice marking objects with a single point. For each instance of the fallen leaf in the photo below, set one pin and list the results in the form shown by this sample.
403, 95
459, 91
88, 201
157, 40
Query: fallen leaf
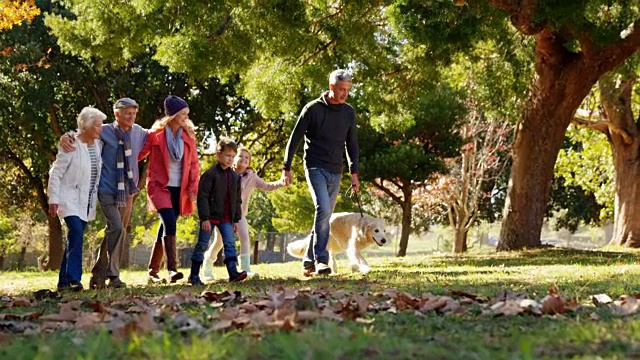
306, 316
552, 304
509, 307
600, 299
66, 313
625, 305
142, 324
19, 302
222, 325
229, 313
88, 321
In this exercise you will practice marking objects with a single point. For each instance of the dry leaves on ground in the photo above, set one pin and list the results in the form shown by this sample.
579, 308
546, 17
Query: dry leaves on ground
282, 309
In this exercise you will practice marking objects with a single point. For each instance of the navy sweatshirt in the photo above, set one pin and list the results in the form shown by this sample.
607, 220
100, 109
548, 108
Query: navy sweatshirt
327, 130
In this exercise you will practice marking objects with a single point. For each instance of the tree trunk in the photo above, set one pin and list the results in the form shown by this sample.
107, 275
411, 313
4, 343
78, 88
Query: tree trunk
460, 241
1, 262
623, 135
406, 219
54, 257
21, 257
561, 82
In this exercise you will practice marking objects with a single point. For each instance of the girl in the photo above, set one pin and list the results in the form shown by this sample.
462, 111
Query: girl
250, 181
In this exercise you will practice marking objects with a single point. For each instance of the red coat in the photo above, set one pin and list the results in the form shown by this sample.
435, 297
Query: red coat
158, 177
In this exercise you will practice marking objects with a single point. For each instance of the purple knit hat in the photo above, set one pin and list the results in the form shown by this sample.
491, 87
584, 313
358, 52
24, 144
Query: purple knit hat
173, 104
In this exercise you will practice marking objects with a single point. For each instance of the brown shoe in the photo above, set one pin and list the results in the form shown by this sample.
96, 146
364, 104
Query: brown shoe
308, 271
115, 283
97, 283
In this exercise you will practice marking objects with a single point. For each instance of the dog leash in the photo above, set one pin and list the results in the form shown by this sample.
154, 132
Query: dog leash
350, 193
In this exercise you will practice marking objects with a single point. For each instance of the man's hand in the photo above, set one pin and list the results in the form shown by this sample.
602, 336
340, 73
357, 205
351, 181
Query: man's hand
53, 210
67, 143
355, 183
235, 227
206, 226
286, 174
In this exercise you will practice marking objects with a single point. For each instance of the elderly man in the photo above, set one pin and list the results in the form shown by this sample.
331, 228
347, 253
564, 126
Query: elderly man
122, 142
328, 125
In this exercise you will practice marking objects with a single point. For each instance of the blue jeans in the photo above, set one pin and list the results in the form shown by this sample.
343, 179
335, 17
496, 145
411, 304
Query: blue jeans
324, 187
71, 267
228, 242
169, 216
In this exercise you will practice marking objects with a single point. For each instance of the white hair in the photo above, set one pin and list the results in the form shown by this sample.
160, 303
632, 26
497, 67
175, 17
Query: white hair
88, 117
339, 75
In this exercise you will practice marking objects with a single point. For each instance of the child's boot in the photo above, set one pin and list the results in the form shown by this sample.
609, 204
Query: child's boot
234, 275
194, 278
245, 264
207, 270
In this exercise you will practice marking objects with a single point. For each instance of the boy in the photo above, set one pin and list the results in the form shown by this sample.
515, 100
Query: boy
219, 205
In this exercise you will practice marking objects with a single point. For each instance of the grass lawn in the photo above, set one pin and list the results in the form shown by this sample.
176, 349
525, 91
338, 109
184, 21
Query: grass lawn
384, 335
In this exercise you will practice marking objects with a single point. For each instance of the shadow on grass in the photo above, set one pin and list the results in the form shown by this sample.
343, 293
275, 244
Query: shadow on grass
538, 257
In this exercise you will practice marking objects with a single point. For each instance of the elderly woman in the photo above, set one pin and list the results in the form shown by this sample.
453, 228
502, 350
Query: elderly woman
73, 187
172, 182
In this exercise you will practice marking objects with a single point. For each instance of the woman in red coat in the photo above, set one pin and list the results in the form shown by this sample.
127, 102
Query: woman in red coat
172, 182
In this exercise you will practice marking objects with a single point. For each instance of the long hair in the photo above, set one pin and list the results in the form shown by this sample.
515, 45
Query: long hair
163, 122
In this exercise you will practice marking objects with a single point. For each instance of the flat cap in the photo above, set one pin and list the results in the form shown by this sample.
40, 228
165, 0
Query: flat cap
124, 103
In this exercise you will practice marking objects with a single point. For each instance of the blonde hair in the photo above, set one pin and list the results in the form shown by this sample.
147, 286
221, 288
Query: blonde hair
242, 148
162, 123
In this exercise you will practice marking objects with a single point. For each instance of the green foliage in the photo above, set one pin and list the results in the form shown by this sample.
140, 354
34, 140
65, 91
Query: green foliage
7, 240
587, 163
280, 48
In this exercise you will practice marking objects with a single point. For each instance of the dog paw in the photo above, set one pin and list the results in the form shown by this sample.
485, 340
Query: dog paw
355, 268
364, 269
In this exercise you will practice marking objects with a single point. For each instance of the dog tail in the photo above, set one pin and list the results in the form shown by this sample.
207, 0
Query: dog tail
298, 247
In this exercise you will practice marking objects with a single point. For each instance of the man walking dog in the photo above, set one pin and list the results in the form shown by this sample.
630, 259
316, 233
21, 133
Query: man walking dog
328, 125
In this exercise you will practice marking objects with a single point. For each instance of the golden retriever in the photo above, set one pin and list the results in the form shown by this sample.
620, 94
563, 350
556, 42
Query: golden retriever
350, 233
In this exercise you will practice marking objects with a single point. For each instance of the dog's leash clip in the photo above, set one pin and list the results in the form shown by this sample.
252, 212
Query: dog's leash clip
350, 193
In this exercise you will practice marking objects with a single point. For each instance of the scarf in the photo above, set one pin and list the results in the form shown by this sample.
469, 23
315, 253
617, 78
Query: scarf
126, 186
174, 144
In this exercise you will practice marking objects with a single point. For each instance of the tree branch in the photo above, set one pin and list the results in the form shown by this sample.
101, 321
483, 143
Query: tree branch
380, 186
521, 14
614, 54
604, 127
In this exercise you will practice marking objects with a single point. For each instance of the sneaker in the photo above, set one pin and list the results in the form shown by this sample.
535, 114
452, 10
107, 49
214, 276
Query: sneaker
116, 283
208, 278
175, 276
323, 269
195, 281
153, 278
64, 287
76, 286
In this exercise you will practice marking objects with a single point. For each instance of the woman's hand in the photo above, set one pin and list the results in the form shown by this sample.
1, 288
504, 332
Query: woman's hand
53, 210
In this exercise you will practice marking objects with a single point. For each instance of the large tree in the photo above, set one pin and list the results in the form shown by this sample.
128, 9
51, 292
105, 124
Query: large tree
574, 44
617, 122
